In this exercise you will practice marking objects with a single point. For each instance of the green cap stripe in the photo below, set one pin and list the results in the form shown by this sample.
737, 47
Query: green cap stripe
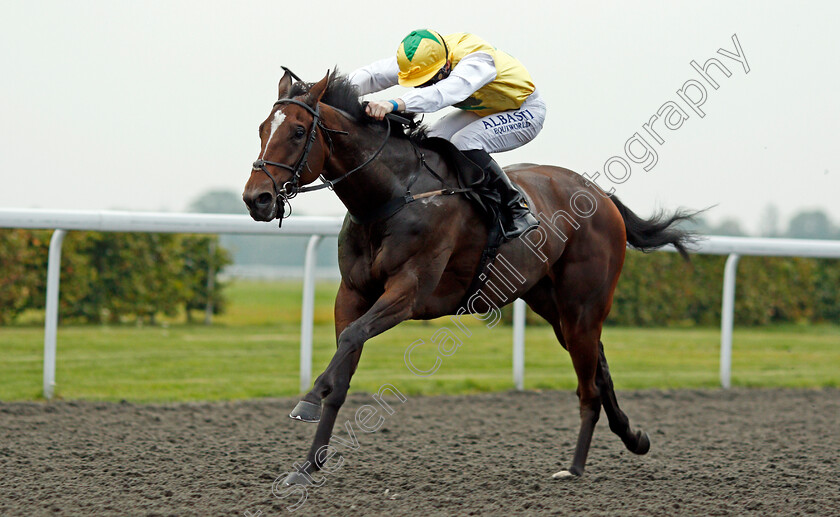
412, 42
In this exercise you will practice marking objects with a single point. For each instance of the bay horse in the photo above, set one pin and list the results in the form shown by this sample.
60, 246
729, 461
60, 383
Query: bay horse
417, 260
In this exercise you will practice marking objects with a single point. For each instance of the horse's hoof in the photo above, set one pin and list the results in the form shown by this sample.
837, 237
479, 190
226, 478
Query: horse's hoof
565, 475
296, 478
643, 445
306, 412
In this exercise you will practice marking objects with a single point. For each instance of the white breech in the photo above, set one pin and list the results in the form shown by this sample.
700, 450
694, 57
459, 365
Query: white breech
494, 133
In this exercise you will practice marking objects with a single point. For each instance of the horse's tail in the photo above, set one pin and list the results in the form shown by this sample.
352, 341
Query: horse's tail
649, 234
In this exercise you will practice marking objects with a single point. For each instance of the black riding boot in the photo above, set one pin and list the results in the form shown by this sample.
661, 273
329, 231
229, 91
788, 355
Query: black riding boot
519, 218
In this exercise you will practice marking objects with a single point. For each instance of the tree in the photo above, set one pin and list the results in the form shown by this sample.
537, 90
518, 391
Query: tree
813, 224
769, 224
203, 260
22, 268
697, 224
119, 275
729, 227
218, 202
111, 277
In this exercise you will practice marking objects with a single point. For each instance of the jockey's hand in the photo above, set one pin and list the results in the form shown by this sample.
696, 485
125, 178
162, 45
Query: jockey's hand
378, 109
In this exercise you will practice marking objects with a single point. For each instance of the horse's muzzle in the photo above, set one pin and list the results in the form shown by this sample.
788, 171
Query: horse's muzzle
262, 206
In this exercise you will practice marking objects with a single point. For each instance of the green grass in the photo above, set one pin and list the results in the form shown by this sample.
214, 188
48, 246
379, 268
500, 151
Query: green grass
253, 351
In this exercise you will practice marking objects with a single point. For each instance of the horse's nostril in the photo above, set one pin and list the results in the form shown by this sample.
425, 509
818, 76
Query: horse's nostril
263, 200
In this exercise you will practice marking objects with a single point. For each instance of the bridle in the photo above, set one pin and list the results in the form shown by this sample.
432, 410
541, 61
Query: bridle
292, 188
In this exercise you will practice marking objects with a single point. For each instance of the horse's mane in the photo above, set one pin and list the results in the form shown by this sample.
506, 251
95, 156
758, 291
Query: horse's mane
343, 95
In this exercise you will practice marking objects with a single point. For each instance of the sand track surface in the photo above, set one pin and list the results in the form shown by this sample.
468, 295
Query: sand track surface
713, 453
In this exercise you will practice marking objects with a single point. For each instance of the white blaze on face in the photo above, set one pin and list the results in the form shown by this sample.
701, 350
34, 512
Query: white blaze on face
276, 122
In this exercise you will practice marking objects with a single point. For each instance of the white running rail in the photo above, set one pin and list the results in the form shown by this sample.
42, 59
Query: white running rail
110, 221
734, 248
317, 227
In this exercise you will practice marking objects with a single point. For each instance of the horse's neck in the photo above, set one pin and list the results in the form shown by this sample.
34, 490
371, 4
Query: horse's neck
384, 178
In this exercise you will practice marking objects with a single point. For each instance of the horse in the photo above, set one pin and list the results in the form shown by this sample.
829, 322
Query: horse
415, 256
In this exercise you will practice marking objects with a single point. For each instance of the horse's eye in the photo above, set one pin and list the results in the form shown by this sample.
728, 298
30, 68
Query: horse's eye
299, 132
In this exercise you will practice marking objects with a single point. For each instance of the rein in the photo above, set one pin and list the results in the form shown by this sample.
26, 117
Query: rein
291, 188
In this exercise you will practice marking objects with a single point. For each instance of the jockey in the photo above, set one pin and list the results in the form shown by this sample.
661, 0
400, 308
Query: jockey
499, 107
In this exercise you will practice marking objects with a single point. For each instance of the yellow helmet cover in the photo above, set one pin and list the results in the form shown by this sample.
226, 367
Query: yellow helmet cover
420, 56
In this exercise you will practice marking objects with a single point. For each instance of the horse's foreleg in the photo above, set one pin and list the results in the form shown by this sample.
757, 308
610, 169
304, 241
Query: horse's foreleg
636, 442
330, 390
350, 305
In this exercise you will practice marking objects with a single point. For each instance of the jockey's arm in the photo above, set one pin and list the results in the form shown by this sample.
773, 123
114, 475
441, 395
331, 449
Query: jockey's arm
377, 76
472, 72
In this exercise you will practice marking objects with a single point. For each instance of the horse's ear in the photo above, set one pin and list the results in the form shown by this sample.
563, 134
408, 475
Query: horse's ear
317, 91
284, 86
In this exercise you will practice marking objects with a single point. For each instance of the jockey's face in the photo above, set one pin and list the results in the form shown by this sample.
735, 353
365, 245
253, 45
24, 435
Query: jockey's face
442, 74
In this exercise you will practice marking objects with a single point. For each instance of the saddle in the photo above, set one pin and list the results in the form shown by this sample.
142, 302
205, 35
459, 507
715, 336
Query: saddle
471, 178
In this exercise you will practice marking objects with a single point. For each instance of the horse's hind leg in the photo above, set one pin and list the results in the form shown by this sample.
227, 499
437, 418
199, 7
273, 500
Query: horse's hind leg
580, 336
582, 343
636, 442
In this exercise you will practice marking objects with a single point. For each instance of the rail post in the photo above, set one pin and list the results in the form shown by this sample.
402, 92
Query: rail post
307, 315
727, 319
519, 344
51, 318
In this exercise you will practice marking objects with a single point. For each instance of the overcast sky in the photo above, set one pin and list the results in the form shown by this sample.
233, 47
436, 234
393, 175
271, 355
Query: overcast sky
146, 105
